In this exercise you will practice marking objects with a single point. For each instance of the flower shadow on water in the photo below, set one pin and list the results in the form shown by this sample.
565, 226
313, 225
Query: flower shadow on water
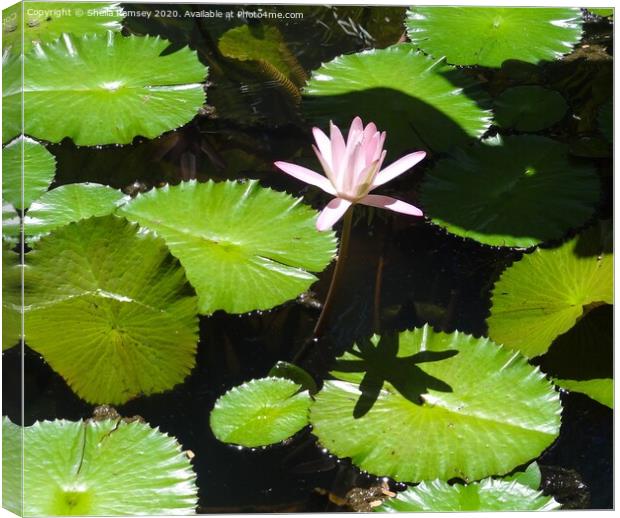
381, 364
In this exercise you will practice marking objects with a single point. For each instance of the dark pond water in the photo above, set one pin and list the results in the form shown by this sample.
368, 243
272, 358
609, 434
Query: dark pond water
402, 272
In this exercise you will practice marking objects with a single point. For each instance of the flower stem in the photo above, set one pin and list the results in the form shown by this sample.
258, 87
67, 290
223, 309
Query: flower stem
343, 250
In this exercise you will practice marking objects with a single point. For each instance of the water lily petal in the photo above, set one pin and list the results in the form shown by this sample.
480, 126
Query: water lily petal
332, 212
326, 167
355, 131
306, 175
397, 168
324, 145
386, 202
338, 149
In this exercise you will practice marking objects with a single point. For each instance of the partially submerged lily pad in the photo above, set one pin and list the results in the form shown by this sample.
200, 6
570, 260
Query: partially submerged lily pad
69, 203
489, 36
265, 46
46, 21
543, 295
529, 108
518, 191
110, 310
426, 405
260, 412
421, 102
601, 390
243, 247
107, 467
39, 167
108, 88
486, 495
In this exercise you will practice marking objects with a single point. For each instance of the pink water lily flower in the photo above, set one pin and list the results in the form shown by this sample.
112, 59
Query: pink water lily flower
353, 169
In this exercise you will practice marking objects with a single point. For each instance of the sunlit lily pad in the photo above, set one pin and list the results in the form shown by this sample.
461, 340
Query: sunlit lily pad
12, 467
422, 103
243, 247
107, 88
11, 95
601, 390
11, 297
530, 477
38, 170
486, 495
109, 468
46, 21
488, 36
260, 412
428, 405
542, 296
529, 108
518, 191
69, 203
110, 310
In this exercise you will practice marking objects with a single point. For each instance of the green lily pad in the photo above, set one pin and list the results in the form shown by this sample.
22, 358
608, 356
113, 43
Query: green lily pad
108, 467
419, 101
517, 191
12, 467
243, 247
426, 405
486, 495
531, 477
602, 11
110, 310
46, 21
292, 372
11, 297
107, 88
601, 390
66, 204
39, 167
529, 108
260, 412
544, 294
488, 36
11, 95
605, 121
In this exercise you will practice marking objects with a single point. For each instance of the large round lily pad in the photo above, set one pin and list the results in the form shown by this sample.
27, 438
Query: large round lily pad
110, 310
486, 495
517, 191
542, 296
39, 167
260, 412
529, 108
488, 36
107, 88
243, 247
46, 21
421, 102
426, 405
108, 467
